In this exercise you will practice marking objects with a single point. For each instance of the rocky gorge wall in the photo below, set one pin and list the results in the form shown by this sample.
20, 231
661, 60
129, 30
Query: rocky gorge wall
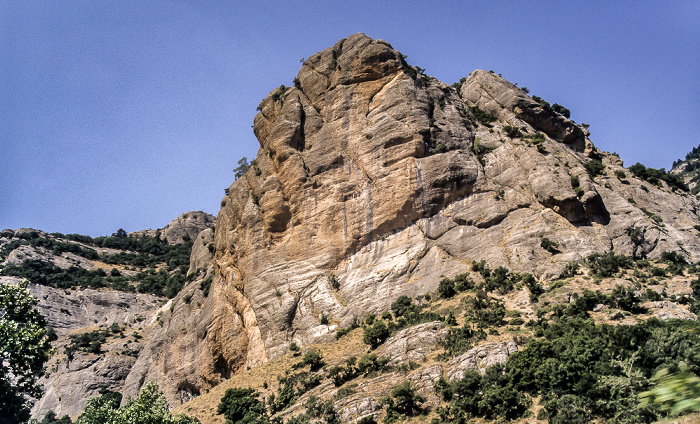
373, 181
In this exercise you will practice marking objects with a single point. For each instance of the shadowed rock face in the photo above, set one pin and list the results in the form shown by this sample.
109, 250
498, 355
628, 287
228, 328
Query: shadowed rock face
373, 181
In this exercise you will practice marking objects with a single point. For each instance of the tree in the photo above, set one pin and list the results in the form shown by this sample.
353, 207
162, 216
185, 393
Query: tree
150, 407
24, 348
241, 405
242, 167
375, 334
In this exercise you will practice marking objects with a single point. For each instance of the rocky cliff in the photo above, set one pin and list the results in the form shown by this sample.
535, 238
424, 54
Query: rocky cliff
374, 180
185, 227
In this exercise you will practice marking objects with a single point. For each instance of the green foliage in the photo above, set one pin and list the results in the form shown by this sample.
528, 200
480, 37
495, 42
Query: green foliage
150, 407
242, 167
446, 288
375, 334
205, 286
655, 176
533, 286
485, 311
440, 148
371, 363
460, 339
512, 131
242, 406
458, 85
593, 370
674, 393
608, 264
492, 396
570, 270
499, 279
549, 245
561, 110
594, 167
480, 150
403, 402
620, 174
277, 95
149, 251
313, 359
51, 418
90, 342
483, 117
24, 348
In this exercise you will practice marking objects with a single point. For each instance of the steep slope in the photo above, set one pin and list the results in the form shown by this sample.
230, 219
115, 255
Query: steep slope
689, 169
373, 181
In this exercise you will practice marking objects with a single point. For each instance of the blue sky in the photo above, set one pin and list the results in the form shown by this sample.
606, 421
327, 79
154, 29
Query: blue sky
124, 114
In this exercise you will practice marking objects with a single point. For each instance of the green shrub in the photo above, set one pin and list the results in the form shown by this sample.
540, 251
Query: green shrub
512, 132
404, 401
485, 118
594, 167
375, 334
608, 264
655, 176
549, 245
241, 406
446, 288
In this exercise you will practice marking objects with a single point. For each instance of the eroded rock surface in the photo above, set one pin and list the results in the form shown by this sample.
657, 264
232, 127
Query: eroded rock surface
374, 181
480, 358
186, 226
413, 343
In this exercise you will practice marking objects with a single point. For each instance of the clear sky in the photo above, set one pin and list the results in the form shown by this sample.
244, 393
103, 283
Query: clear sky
124, 114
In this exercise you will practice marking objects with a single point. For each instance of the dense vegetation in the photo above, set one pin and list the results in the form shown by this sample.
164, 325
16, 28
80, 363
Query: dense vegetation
150, 407
24, 348
581, 370
655, 176
162, 267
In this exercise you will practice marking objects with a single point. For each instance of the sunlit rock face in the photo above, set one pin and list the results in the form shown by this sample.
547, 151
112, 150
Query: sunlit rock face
374, 181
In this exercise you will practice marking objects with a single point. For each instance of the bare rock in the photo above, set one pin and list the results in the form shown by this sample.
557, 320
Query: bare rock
68, 310
355, 407
413, 343
185, 227
666, 310
202, 251
69, 384
480, 358
423, 381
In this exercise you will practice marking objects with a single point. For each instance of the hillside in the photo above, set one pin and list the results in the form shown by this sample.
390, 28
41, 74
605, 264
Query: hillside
100, 297
688, 169
485, 322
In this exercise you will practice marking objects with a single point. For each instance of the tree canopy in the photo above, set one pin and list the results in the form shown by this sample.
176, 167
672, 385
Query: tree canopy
24, 348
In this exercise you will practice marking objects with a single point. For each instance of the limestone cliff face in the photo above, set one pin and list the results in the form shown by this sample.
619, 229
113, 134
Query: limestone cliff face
187, 225
374, 181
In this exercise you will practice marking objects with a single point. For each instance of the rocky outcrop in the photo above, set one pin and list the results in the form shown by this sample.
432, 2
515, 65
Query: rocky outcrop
480, 358
413, 343
202, 251
68, 310
185, 227
373, 181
